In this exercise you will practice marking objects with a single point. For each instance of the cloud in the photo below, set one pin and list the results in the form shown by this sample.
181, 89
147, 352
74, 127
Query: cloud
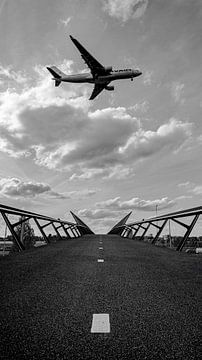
186, 184
141, 107
136, 204
95, 214
81, 194
65, 22
16, 188
56, 128
197, 190
170, 136
118, 172
124, 10
183, 197
147, 77
110, 211
177, 90
8, 74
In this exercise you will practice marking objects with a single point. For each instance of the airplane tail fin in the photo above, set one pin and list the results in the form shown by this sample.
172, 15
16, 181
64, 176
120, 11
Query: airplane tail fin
57, 73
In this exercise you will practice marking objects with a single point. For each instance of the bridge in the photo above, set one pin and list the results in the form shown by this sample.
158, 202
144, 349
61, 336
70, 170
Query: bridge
91, 296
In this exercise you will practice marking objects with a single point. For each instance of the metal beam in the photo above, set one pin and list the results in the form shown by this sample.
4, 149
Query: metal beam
42, 231
120, 223
56, 230
45, 225
176, 214
144, 232
159, 232
180, 223
155, 225
124, 232
188, 232
136, 231
15, 211
16, 239
21, 221
65, 230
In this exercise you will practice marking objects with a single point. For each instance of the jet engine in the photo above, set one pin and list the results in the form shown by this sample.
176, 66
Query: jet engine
109, 88
108, 69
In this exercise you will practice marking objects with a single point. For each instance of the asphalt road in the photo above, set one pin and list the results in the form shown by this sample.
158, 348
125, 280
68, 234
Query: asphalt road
49, 296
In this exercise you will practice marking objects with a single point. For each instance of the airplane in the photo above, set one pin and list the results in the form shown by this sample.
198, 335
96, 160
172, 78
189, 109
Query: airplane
99, 75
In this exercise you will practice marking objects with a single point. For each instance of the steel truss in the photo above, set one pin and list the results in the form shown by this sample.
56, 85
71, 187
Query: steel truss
70, 229
159, 222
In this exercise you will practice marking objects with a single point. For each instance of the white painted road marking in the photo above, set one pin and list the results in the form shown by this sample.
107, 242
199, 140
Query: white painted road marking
100, 248
100, 260
100, 323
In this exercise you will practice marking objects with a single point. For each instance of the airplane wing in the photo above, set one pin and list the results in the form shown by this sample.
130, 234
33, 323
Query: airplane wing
93, 64
97, 89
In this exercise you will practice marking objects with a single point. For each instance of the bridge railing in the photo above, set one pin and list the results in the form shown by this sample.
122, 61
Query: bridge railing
70, 229
131, 230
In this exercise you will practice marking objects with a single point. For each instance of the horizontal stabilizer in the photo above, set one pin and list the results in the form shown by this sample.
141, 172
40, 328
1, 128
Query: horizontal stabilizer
57, 82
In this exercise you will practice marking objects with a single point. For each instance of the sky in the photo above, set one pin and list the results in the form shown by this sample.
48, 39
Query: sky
137, 148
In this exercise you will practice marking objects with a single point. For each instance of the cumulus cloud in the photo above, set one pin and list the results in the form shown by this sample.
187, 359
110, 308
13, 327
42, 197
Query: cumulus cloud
112, 210
124, 10
56, 128
16, 188
170, 136
136, 204
95, 214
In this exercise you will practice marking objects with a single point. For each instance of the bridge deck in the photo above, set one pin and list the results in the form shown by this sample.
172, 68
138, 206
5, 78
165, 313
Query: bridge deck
50, 295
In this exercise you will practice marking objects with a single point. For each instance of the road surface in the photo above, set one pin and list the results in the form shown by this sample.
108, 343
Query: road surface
100, 297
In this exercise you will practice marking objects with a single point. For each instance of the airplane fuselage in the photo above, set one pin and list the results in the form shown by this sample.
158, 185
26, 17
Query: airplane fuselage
101, 79
99, 75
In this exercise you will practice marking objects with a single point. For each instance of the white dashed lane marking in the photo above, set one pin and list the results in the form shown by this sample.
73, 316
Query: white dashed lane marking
100, 248
100, 323
100, 260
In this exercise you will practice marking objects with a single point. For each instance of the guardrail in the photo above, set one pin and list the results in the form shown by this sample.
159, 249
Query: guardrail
70, 229
131, 230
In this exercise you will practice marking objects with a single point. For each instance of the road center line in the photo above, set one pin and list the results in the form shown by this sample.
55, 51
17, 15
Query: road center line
100, 323
100, 260
100, 248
